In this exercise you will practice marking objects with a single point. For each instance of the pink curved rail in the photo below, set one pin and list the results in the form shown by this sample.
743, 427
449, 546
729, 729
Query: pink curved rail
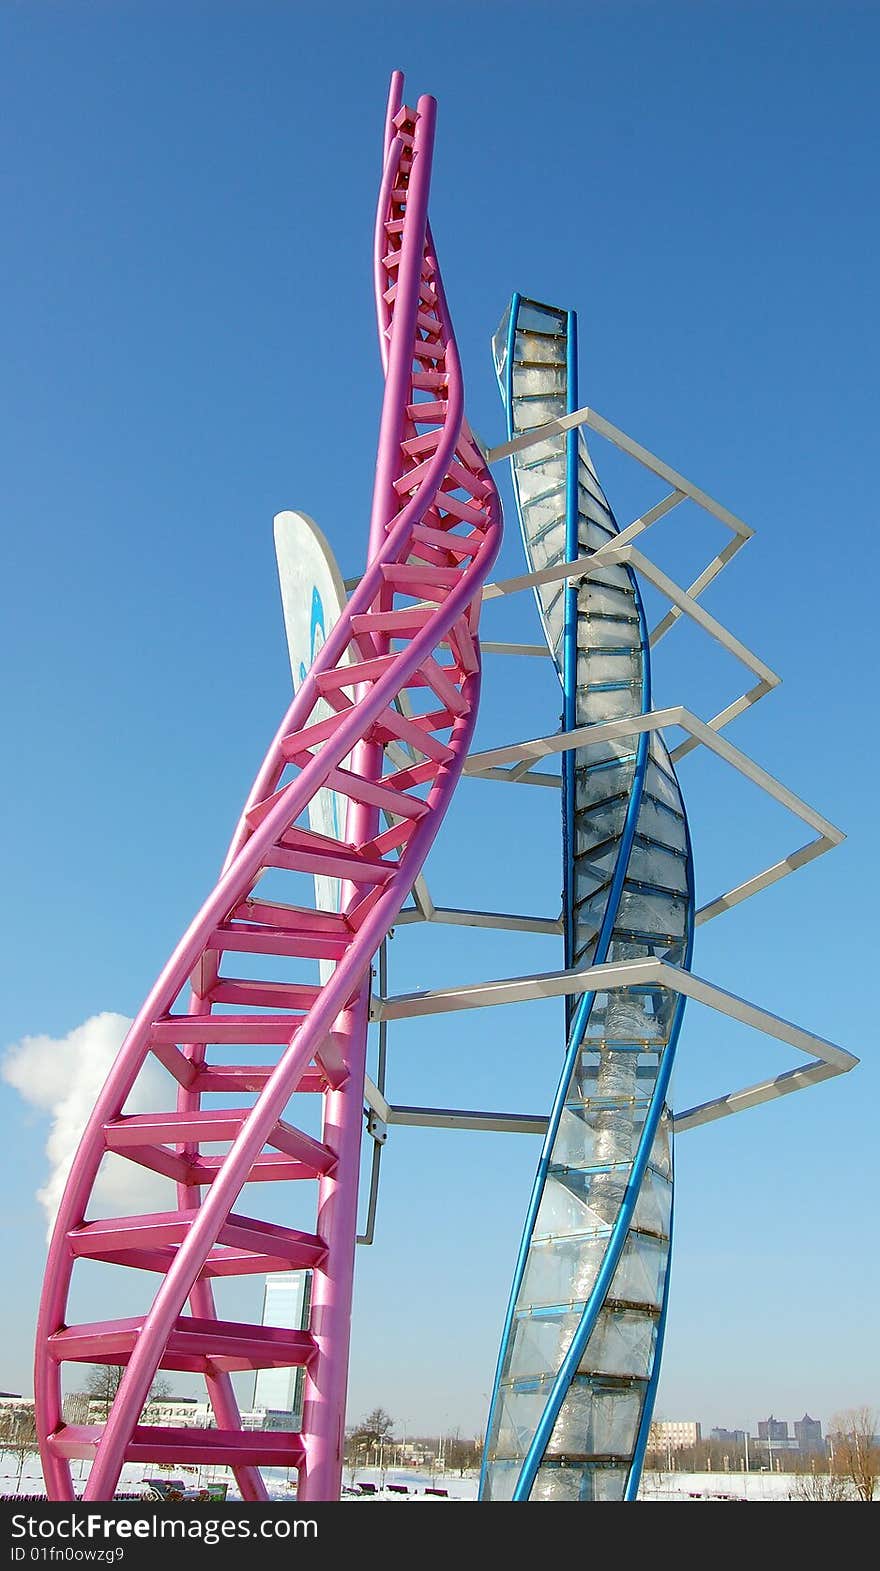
411, 627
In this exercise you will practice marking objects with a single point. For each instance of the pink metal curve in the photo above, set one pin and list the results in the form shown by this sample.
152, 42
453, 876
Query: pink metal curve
410, 626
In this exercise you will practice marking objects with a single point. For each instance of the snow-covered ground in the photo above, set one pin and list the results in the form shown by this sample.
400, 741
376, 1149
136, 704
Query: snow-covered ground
418, 1484
389, 1484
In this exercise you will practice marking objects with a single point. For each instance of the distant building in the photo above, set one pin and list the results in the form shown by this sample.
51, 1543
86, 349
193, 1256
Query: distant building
808, 1434
673, 1434
175, 1412
773, 1429
75, 1408
278, 1393
729, 1437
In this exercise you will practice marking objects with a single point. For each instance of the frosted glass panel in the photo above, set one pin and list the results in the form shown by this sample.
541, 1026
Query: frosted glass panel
572, 1483
654, 1205
605, 601
539, 379
649, 913
542, 478
602, 634
596, 1422
543, 318
640, 1274
538, 411
621, 1344
651, 865
530, 346
662, 787
623, 665
539, 1344
501, 1480
658, 824
595, 708
563, 1271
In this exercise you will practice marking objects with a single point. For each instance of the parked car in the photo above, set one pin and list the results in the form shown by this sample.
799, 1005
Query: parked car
176, 1489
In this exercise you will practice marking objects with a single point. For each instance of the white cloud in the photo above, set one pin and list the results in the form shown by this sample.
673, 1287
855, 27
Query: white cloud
62, 1076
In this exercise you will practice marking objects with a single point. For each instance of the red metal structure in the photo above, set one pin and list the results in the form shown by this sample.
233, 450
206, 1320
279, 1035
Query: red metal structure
410, 628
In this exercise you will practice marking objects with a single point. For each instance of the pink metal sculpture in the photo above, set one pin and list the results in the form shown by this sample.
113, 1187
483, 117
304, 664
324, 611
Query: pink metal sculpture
410, 627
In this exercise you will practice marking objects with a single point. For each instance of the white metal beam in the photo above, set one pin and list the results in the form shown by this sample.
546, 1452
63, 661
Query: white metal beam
827, 1061
536, 651
463, 1118
514, 989
489, 765
627, 444
684, 603
452, 916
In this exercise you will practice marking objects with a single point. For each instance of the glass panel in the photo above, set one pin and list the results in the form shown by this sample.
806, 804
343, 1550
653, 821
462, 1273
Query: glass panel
499, 344
647, 913
660, 786
651, 865
596, 1422
570, 1482
520, 1414
657, 824
539, 1344
546, 378
543, 477
548, 447
537, 411
501, 1480
654, 1205
661, 1151
590, 506
591, 913
592, 869
585, 460
529, 346
608, 1138
566, 1270
544, 318
622, 1343
660, 752
641, 1271
593, 828
610, 602
628, 1017
537, 516
603, 769
596, 632
585, 935
594, 708
623, 665
613, 576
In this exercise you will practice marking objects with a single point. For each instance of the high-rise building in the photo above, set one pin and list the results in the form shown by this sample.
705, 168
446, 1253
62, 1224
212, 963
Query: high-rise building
808, 1434
729, 1437
278, 1392
773, 1429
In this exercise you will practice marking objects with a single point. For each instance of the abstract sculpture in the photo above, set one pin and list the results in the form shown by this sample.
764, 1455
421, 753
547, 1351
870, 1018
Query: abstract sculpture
584, 1326
434, 532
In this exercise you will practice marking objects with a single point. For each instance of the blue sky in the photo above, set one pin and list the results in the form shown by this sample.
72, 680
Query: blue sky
189, 345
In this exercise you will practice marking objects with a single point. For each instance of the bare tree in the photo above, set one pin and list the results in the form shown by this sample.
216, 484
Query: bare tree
853, 1437
462, 1454
373, 1429
103, 1382
18, 1437
815, 1485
